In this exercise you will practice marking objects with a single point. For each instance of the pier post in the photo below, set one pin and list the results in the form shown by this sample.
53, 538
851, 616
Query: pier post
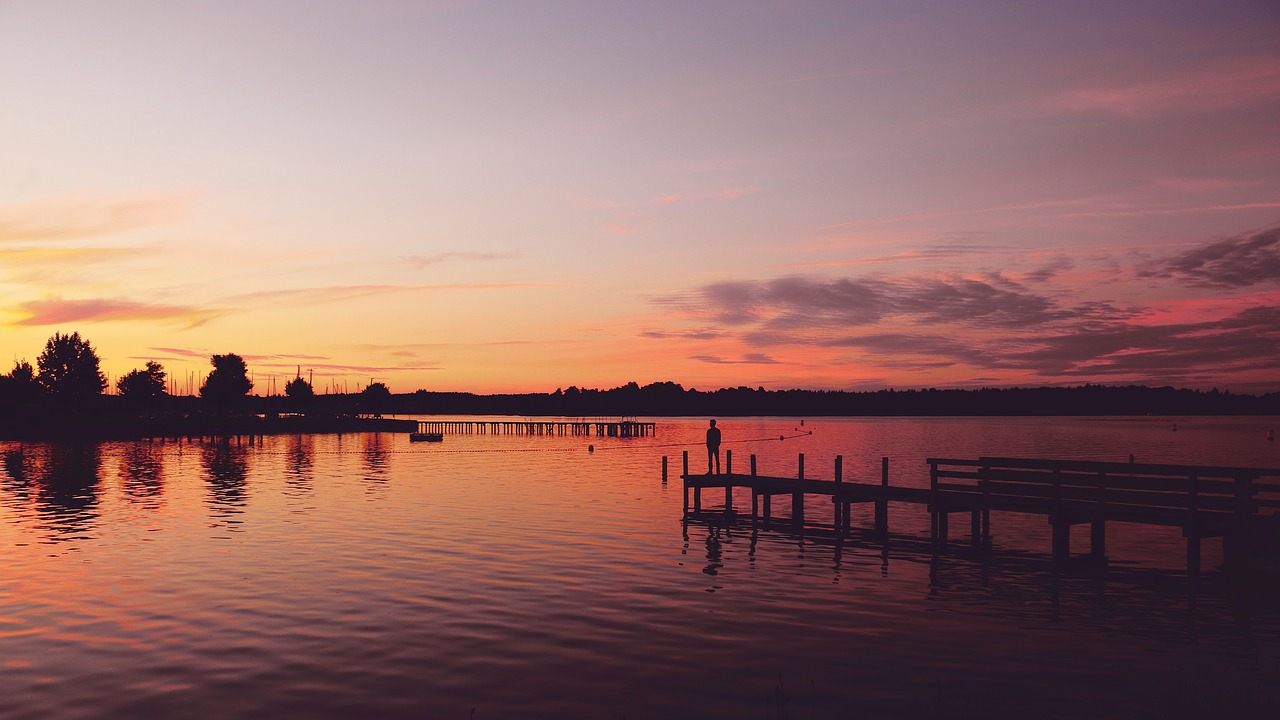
881, 524
1098, 540
755, 495
840, 507
685, 476
935, 526
797, 499
1061, 539
728, 488
664, 469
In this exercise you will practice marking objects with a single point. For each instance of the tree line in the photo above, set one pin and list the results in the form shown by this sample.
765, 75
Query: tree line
67, 373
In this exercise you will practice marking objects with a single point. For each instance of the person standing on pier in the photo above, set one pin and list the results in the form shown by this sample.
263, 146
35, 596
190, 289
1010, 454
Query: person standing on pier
713, 447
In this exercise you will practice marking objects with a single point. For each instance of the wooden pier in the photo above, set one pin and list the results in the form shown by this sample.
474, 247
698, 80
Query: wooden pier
1238, 504
599, 428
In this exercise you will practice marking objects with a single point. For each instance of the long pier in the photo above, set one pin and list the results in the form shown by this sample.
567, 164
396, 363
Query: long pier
599, 428
1242, 505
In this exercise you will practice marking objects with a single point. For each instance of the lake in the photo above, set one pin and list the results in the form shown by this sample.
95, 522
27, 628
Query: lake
505, 576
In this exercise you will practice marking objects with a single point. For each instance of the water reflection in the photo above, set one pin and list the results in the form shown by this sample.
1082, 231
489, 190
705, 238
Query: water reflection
17, 474
1023, 587
63, 480
142, 473
300, 465
375, 457
226, 467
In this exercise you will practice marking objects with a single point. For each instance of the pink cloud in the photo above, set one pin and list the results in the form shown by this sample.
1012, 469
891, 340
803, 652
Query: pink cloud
1197, 185
730, 194
56, 311
1231, 83
1171, 211
338, 293
421, 261
80, 216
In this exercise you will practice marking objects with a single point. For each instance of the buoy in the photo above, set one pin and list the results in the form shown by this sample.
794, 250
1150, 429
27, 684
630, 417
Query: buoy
781, 437
1175, 427
591, 448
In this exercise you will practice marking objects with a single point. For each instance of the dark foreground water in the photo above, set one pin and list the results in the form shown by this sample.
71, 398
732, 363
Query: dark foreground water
511, 577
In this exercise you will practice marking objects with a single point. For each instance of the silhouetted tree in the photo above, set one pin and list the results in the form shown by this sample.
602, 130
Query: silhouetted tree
19, 385
229, 380
299, 389
376, 391
143, 384
69, 368
22, 372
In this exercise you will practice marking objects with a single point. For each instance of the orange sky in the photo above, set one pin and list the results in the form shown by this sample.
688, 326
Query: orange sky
494, 197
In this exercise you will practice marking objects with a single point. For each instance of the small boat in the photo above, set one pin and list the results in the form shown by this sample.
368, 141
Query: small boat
426, 437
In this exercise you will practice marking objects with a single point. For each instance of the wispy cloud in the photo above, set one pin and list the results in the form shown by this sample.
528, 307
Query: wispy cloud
1050, 270
702, 334
992, 324
747, 359
930, 215
729, 194
1230, 83
330, 368
341, 293
39, 265
57, 311
796, 302
1247, 340
931, 253
85, 216
422, 261
1199, 184
1185, 210
1232, 262
285, 361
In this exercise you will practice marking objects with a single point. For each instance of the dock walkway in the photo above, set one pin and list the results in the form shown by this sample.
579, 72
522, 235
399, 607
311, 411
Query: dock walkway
1242, 505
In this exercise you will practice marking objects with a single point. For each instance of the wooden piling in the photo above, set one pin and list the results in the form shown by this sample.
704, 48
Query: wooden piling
841, 507
685, 475
755, 494
728, 487
881, 523
1061, 539
797, 498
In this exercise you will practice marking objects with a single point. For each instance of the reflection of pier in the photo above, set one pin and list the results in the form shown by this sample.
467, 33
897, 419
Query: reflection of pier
1234, 503
599, 428
1011, 583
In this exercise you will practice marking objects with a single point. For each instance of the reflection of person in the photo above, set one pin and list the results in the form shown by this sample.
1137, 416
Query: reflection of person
713, 447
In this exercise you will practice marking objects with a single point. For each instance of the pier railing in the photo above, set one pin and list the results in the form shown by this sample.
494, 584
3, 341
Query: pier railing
1242, 505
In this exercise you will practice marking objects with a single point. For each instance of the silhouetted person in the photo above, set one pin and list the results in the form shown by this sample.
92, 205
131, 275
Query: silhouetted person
713, 447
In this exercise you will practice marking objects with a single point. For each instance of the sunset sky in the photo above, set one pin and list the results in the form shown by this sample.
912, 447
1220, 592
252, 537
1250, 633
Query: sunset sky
520, 196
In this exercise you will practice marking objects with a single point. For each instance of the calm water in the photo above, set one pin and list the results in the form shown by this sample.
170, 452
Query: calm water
508, 577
